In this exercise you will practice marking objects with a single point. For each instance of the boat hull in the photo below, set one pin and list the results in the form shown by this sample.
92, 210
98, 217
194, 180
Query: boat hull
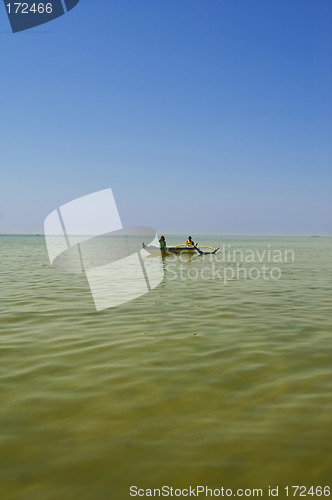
177, 249
169, 250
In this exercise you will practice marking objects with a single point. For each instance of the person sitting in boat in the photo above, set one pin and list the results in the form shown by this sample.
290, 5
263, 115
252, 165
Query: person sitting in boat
190, 241
162, 243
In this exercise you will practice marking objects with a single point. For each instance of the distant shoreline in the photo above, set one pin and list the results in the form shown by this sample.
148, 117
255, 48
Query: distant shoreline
197, 235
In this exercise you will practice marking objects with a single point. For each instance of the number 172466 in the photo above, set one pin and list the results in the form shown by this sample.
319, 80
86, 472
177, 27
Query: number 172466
35, 8
303, 491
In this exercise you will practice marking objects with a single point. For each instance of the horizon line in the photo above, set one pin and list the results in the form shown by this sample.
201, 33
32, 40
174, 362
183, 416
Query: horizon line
170, 234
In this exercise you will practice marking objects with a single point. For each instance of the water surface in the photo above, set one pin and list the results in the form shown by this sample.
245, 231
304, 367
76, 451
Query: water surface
196, 382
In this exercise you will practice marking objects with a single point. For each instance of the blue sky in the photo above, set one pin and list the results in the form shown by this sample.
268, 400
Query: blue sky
203, 116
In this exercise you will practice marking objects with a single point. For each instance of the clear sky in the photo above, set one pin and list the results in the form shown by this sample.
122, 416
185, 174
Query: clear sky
203, 116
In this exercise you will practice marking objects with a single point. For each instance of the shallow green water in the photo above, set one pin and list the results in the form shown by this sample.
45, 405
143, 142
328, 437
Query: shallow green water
196, 382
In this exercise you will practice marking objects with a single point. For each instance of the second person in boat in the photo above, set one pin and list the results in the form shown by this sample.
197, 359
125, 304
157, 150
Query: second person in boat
190, 241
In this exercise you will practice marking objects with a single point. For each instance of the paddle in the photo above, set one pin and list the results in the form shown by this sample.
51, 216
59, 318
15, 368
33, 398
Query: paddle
198, 250
205, 253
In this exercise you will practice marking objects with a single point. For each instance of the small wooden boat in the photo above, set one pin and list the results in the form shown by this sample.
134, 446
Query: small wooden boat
174, 249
